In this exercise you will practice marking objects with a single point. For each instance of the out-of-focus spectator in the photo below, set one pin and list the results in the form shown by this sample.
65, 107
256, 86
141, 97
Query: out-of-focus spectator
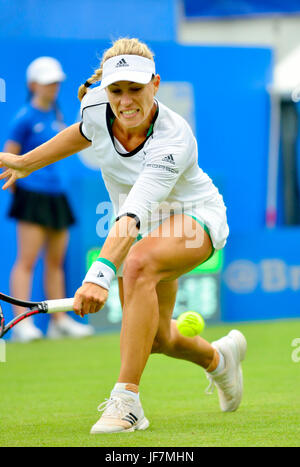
39, 203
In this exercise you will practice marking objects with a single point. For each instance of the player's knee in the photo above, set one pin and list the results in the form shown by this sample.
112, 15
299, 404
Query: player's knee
137, 267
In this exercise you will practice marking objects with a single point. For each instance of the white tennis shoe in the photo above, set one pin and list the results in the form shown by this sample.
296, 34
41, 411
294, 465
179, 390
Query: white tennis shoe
121, 413
229, 382
68, 327
26, 331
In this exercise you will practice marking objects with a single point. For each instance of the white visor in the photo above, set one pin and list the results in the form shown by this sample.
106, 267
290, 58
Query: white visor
127, 68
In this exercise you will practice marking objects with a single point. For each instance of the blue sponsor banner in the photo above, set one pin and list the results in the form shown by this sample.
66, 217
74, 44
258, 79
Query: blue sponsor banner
261, 277
221, 8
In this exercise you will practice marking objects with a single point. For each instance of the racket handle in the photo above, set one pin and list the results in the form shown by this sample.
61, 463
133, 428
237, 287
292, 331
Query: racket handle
60, 305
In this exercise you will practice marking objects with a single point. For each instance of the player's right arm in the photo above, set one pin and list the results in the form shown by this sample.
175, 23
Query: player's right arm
12, 147
64, 144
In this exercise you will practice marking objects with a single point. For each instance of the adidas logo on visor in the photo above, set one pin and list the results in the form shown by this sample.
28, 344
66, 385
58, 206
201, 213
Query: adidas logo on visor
121, 63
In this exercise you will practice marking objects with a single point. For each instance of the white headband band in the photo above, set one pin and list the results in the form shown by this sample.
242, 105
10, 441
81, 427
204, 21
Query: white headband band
127, 68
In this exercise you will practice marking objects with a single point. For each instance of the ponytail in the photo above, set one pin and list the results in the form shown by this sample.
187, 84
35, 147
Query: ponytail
93, 79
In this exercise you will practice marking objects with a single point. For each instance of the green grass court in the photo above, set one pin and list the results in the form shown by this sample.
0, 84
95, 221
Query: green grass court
50, 392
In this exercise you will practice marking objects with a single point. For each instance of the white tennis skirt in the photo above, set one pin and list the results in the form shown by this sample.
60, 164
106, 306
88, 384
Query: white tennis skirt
211, 215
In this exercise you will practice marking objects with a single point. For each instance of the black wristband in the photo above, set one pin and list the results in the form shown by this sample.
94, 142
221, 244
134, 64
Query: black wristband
134, 216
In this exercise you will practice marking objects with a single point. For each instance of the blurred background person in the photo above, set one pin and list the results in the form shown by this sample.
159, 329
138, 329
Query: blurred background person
39, 205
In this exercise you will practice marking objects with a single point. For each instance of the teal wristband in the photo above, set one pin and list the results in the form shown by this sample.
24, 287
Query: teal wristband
108, 263
101, 274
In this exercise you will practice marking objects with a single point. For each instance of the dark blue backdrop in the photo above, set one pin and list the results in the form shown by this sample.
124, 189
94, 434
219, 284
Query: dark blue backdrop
224, 8
88, 19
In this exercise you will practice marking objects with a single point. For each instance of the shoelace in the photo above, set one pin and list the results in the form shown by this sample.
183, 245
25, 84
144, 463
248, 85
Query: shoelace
115, 406
212, 384
210, 388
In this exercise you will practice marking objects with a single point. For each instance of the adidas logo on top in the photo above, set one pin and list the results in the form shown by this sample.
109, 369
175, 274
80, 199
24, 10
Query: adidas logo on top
169, 158
121, 63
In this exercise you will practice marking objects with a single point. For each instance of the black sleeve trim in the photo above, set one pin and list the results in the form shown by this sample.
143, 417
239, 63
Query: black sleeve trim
80, 129
134, 216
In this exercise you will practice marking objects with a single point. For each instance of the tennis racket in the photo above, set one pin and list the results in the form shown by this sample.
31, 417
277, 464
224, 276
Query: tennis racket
33, 308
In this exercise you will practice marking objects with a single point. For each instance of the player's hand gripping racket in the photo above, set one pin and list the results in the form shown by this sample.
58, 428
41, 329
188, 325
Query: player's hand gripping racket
33, 308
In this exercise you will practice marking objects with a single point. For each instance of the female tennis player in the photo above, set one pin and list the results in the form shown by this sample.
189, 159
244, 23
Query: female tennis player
39, 204
169, 219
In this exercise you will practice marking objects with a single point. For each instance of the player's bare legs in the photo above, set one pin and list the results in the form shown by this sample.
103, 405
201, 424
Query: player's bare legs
148, 294
168, 340
150, 261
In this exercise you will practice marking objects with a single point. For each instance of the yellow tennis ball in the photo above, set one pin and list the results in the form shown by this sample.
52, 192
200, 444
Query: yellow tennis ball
190, 324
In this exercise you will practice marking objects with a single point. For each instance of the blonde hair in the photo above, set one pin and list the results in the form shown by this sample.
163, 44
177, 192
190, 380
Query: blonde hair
123, 46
